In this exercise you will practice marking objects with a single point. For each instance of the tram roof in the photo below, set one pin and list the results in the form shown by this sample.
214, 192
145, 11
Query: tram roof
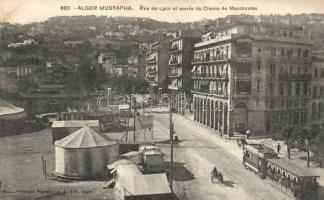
292, 168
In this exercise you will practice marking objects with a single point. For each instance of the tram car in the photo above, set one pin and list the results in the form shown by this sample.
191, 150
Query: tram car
254, 158
297, 182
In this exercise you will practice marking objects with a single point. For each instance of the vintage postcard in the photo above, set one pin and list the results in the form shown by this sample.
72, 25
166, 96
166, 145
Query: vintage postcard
162, 99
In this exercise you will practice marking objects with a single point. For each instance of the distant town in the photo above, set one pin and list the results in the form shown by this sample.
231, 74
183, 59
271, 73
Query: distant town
134, 108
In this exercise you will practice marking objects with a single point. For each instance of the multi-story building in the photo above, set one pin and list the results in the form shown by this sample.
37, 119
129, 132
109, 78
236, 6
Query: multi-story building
157, 66
133, 66
317, 108
252, 76
181, 53
107, 61
141, 56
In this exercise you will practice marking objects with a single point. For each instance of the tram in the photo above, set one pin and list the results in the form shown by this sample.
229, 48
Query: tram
254, 158
294, 180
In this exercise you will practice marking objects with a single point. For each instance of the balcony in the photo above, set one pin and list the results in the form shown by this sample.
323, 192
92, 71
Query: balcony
217, 93
151, 60
174, 48
294, 77
175, 75
210, 60
217, 39
151, 70
174, 61
173, 87
220, 76
201, 90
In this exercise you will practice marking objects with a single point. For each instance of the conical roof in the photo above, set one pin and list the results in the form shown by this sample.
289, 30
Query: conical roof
8, 110
84, 138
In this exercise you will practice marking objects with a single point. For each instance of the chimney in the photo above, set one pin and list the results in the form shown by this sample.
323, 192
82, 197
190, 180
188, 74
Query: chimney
206, 28
217, 22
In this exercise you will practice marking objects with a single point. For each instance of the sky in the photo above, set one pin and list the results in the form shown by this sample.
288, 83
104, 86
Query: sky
27, 11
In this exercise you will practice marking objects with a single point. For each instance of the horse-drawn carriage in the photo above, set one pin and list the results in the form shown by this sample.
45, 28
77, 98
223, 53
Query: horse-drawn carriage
216, 176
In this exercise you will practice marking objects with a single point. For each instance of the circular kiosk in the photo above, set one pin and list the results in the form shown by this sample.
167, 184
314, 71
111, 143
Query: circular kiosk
11, 118
84, 155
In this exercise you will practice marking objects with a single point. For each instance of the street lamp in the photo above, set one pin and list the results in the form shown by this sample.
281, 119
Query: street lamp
307, 150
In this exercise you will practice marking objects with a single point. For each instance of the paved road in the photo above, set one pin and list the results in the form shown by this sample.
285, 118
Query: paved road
199, 152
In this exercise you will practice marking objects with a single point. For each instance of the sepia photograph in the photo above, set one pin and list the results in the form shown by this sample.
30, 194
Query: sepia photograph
162, 100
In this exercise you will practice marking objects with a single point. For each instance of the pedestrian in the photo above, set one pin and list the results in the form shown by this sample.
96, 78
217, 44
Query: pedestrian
247, 134
221, 133
278, 147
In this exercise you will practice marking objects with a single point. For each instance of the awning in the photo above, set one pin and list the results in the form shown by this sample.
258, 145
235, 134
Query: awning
174, 82
199, 68
171, 58
194, 68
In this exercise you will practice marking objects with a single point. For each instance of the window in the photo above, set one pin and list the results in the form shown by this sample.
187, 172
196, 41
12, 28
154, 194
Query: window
282, 104
257, 103
296, 118
322, 72
258, 86
297, 88
259, 50
296, 103
282, 52
289, 103
305, 53
298, 53
314, 91
271, 88
259, 66
281, 89
321, 91
303, 103
303, 118
272, 51
289, 88
290, 69
272, 69
305, 88
315, 72
272, 104
305, 70
298, 70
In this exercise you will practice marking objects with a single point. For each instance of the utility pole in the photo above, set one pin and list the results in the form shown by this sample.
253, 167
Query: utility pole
129, 112
134, 114
171, 141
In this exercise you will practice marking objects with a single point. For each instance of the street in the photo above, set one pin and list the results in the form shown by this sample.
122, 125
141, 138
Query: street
198, 153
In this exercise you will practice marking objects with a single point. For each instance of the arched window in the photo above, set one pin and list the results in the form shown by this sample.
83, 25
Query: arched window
314, 112
320, 110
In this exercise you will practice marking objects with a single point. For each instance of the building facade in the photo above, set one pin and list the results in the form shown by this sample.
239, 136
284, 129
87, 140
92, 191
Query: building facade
317, 107
252, 76
107, 61
157, 66
181, 53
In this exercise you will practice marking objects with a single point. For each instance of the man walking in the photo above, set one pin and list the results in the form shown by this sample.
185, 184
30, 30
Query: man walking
278, 147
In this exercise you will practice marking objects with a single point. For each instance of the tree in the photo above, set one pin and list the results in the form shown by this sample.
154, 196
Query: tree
317, 147
288, 135
306, 138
